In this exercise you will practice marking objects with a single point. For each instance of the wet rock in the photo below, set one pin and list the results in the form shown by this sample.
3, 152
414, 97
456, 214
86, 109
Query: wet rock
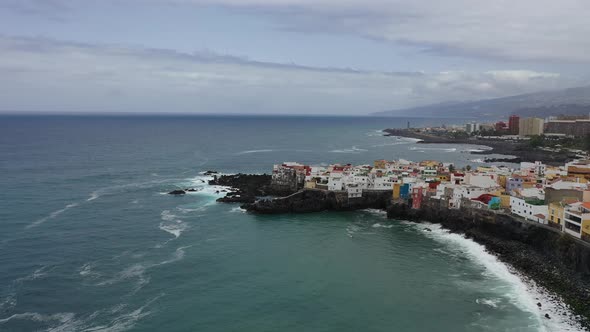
539, 304
428, 229
177, 192
547, 316
315, 200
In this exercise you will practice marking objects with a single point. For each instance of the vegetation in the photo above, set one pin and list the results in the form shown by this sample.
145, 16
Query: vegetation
560, 143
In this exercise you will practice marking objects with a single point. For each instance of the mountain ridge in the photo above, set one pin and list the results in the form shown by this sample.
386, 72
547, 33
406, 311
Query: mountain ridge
570, 101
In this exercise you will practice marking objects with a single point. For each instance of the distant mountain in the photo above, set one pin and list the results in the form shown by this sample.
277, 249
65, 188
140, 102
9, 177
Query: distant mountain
573, 101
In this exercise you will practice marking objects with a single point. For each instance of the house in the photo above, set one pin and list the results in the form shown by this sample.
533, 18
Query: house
530, 208
576, 217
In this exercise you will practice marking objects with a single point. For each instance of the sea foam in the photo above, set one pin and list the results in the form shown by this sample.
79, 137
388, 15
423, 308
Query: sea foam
523, 293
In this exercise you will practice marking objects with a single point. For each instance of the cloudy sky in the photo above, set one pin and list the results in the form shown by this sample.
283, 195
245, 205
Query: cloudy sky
348, 57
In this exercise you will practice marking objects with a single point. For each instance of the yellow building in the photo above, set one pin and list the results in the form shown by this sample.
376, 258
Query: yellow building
444, 177
396, 190
556, 214
381, 164
502, 180
429, 163
504, 198
531, 126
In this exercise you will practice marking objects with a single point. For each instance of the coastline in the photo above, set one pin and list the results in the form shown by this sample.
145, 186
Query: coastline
539, 254
543, 256
521, 151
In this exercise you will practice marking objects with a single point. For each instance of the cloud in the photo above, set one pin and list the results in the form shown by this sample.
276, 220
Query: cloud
544, 30
523, 30
50, 9
38, 74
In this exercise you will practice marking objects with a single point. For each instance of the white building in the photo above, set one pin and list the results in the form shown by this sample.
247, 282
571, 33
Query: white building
573, 215
529, 209
354, 191
481, 180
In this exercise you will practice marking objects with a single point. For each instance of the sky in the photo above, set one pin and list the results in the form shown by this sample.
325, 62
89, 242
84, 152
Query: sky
343, 57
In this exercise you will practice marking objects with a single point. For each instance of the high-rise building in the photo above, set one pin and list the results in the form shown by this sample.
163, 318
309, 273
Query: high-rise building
514, 124
531, 126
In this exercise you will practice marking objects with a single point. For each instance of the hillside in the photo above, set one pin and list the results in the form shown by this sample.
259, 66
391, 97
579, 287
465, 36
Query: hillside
571, 101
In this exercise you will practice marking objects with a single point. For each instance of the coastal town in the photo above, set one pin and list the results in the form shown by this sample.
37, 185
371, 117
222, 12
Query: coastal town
556, 196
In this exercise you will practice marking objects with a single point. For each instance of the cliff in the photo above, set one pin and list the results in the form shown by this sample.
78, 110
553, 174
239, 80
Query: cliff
554, 260
316, 200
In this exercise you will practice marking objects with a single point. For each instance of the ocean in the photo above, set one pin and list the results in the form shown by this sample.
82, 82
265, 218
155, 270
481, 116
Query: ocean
89, 241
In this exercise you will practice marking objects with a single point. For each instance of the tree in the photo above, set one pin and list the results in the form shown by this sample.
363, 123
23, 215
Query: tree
468, 168
452, 168
587, 142
536, 141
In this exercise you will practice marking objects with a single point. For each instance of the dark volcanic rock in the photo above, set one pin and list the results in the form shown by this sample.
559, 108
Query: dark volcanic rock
315, 200
255, 184
246, 187
177, 192
210, 172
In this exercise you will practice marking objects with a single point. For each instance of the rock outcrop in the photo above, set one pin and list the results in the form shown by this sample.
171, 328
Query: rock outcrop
246, 187
177, 192
315, 200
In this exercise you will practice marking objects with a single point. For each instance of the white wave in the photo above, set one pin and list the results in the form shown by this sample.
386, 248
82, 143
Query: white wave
52, 215
37, 317
480, 161
174, 229
176, 256
94, 195
354, 149
422, 149
523, 292
377, 212
87, 271
352, 229
139, 270
254, 151
135, 271
375, 132
171, 224
392, 143
38, 273
489, 302
378, 225
238, 209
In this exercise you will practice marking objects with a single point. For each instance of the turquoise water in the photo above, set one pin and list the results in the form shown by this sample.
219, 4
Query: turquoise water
90, 242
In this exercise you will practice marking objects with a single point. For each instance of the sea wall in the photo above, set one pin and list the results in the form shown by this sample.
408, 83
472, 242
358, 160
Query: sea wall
316, 200
554, 260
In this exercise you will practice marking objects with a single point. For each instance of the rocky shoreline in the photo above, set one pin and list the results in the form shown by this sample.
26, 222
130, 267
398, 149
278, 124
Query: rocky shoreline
552, 260
520, 150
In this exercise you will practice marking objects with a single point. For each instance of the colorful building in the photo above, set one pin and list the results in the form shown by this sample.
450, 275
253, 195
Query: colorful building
514, 124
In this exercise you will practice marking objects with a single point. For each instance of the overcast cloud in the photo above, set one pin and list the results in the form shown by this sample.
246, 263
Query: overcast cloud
487, 46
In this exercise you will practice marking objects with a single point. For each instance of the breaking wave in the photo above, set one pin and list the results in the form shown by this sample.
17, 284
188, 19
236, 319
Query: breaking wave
255, 151
171, 224
523, 293
354, 149
422, 149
